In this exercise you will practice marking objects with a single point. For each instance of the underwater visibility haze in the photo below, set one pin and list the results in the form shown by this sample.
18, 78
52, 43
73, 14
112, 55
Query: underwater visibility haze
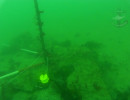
64, 50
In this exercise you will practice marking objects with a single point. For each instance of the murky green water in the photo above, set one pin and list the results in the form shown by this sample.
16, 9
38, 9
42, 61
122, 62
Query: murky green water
84, 54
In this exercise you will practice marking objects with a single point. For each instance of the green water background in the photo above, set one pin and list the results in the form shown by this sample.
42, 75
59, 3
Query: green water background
76, 20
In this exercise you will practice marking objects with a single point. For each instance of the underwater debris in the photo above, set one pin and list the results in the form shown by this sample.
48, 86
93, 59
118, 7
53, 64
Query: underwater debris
44, 78
29, 51
71, 76
119, 19
41, 33
18, 71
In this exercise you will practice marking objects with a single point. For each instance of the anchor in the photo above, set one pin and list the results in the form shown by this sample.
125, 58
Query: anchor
119, 19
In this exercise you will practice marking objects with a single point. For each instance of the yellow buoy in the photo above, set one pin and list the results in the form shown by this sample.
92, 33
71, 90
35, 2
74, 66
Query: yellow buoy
44, 78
